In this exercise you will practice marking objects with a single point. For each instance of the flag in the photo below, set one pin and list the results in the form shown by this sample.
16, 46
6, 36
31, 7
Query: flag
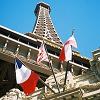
66, 52
72, 41
42, 55
26, 78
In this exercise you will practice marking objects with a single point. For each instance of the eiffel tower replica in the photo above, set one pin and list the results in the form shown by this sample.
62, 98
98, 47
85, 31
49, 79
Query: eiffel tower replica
26, 46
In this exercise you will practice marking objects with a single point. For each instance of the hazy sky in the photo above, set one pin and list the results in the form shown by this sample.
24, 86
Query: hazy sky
82, 15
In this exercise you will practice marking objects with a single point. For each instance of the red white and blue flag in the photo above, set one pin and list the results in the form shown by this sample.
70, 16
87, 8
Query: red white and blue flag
25, 77
42, 55
66, 52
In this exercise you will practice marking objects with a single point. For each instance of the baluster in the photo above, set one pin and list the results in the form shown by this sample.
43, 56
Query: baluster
5, 46
28, 55
61, 67
17, 50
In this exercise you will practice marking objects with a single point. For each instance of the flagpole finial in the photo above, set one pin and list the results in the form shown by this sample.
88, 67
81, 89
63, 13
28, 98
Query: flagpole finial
73, 30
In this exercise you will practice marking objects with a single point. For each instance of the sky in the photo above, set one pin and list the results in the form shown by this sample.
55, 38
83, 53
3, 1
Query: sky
81, 15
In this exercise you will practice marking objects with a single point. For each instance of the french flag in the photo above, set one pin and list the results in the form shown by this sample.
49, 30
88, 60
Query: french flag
25, 77
66, 52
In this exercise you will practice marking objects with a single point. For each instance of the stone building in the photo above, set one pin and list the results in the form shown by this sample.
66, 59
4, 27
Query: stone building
86, 72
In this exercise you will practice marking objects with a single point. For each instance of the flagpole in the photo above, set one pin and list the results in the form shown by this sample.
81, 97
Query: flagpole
67, 67
51, 67
46, 85
54, 76
65, 76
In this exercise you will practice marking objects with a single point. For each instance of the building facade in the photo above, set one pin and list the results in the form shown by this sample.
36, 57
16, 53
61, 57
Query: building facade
86, 71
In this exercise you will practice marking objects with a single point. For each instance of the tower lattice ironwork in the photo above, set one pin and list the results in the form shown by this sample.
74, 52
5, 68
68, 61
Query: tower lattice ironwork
44, 26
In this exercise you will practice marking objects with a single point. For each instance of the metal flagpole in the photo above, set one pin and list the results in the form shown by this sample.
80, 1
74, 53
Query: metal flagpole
67, 68
51, 67
54, 76
65, 76
46, 85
